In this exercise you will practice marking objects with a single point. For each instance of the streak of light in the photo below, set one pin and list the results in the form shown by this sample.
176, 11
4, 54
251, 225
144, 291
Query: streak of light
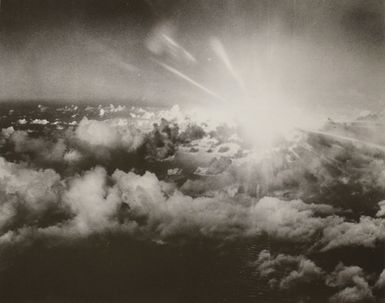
179, 47
220, 51
191, 81
345, 138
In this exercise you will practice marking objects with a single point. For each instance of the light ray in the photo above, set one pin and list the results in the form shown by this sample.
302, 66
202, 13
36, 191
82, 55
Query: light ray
191, 81
348, 139
221, 52
179, 47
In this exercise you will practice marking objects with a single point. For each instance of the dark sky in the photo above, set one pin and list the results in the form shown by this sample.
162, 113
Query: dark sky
98, 49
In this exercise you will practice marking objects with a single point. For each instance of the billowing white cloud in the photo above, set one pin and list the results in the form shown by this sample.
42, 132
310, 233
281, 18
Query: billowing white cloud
26, 192
360, 292
109, 134
40, 148
286, 271
380, 284
7, 132
290, 220
170, 213
366, 232
343, 275
97, 201
40, 121
92, 202
353, 284
72, 156
381, 211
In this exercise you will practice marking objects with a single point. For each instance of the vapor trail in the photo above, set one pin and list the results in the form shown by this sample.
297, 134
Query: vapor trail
220, 51
179, 47
191, 81
345, 138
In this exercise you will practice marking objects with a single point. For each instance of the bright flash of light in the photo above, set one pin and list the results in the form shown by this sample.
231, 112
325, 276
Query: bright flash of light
191, 81
264, 125
264, 115
262, 110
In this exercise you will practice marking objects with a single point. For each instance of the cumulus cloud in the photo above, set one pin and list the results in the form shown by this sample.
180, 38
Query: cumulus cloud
98, 201
360, 292
109, 134
26, 194
95, 140
381, 211
175, 213
40, 121
344, 275
154, 135
286, 271
353, 284
38, 149
366, 232
381, 280
91, 200
169, 213
290, 220
72, 156
7, 132
96, 204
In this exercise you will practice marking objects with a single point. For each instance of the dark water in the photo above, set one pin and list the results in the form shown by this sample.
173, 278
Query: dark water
117, 268
113, 268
